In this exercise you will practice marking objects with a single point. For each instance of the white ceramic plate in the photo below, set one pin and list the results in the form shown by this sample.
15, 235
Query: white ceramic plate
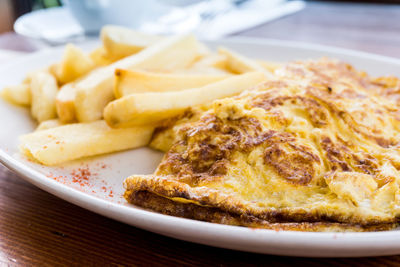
102, 191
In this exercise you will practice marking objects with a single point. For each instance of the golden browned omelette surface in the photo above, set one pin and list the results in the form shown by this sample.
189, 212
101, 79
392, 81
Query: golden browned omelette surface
316, 149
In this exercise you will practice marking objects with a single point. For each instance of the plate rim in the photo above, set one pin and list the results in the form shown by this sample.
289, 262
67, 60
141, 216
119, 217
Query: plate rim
307, 45
384, 243
308, 240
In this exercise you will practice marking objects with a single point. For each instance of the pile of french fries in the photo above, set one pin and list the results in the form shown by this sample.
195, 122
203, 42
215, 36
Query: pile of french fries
113, 97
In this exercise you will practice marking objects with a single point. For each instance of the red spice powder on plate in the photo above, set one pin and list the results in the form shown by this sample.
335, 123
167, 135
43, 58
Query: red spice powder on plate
83, 178
82, 175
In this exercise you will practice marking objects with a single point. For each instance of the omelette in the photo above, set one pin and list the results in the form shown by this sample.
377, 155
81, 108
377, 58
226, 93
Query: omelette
316, 148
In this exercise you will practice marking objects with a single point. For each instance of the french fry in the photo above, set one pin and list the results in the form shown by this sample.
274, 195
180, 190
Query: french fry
121, 42
203, 71
270, 65
96, 90
203, 49
73, 141
152, 108
212, 60
17, 94
133, 81
65, 103
101, 58
44, 125
29, 75
211, 64
74, 64
43, 91
238, 63
52, 69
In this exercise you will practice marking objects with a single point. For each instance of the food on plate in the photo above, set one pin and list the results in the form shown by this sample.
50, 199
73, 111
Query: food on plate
269, 65
44, 125
314, 149
135, 81
238, 63
74, 64
211, 60
153, 108
17, 94
65, 103
306, 145
77, 88
43, 88
73, 141
101, 57
211, 63
120, 42
95, 90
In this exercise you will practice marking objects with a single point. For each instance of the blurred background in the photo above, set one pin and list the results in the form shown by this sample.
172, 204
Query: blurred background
29, 25
167, 16
58, 21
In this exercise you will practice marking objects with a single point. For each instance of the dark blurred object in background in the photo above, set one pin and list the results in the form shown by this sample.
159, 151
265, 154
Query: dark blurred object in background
21, 7
10, 10
24, 6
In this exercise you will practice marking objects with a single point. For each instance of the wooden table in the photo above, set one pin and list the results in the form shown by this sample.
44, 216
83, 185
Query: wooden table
39, 229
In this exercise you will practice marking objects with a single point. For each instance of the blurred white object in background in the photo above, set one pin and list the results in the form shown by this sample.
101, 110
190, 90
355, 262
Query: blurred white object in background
215, 19
93, 14
54, 25
180, 2
208, 19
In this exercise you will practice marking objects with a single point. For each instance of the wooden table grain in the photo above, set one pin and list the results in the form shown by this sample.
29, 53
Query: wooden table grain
38, 229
